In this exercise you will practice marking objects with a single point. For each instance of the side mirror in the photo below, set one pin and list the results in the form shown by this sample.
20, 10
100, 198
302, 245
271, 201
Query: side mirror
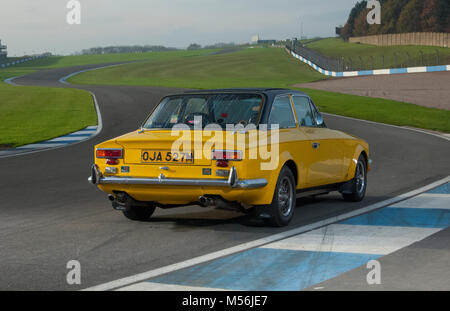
319, 119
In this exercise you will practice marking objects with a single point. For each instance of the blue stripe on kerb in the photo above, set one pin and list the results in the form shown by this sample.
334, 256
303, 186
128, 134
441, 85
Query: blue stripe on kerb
398, 70
267, 269
403, 217
436, 68
444, 189
365, 73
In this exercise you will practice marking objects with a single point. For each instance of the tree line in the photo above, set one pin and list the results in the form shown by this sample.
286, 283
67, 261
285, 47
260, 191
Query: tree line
399, 16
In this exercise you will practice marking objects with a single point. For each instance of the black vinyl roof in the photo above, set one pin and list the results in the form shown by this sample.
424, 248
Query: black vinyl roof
268, 91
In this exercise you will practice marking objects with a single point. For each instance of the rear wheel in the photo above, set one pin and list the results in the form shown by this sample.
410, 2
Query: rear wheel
139, 213
358, 185
282, 207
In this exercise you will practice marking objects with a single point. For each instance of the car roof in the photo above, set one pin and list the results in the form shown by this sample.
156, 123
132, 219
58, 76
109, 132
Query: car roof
267, 91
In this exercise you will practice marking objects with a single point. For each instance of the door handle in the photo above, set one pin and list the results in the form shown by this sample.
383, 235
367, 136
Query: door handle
315, 145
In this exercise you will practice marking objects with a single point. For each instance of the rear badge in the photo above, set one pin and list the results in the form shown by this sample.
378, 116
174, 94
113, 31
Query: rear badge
124, 169
206, 171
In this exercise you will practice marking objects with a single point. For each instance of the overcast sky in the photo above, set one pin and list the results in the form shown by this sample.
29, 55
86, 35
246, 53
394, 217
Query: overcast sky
35, 26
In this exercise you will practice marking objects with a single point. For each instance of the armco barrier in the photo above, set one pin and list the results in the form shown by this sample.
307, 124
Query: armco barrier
370, 72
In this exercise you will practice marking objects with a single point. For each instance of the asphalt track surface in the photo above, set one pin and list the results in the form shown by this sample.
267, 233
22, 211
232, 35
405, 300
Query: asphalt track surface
50, 214
425, 89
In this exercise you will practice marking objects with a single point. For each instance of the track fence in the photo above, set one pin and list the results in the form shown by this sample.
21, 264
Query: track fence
380, 61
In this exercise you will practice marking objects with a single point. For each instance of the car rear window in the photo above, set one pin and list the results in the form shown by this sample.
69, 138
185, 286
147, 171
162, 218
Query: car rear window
220, 109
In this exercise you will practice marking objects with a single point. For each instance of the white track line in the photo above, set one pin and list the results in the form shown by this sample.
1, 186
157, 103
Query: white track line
10, 80
148, 286
259, 242
63, 79
426, 201
378, 240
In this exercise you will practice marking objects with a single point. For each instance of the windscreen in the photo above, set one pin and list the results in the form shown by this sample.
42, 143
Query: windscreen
220, 109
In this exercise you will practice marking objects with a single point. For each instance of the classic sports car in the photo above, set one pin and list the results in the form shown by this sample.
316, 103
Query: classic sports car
250, 149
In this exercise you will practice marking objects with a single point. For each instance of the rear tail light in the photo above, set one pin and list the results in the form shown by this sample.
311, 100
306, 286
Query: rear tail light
109, 153
230, 155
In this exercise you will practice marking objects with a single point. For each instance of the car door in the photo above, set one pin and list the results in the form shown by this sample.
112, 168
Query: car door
326, 161
290, 140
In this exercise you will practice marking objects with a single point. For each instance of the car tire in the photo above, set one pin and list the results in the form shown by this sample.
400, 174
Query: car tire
358, 184
283, 203
139, 213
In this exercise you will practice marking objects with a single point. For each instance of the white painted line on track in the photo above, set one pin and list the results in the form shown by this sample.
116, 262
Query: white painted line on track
436, 195
63, 79
149, 286
379, 240
41, 146
425, 200
259, 242
10, 80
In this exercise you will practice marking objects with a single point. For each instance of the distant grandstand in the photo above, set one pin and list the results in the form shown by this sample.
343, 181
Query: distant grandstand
3, 53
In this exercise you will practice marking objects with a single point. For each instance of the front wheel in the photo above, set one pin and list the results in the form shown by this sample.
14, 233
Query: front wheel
358, 185
139, 213
282, 207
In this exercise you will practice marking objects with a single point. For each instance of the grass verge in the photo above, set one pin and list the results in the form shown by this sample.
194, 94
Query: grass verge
31, 114
381, 110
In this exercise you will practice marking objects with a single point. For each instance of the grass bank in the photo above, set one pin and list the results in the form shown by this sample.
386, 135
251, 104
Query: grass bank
258, 67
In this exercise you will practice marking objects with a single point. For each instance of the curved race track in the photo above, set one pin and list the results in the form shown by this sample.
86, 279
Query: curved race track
50, 214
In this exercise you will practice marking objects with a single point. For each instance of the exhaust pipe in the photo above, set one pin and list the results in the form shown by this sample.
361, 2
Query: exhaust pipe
205, 201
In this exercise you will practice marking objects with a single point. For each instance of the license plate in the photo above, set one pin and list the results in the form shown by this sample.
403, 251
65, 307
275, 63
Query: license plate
163, 156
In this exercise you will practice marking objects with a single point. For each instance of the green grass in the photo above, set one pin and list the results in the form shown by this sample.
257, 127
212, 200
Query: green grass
265, 68
337, 48
381, 110
32, 114
79, 60
259, 67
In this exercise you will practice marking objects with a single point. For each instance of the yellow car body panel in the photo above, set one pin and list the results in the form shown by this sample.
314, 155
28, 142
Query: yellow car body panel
333, 162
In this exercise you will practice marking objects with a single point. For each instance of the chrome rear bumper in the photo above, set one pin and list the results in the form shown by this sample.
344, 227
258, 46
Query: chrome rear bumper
232, 181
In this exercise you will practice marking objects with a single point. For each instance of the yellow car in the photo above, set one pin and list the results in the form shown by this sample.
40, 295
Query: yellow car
247, 149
